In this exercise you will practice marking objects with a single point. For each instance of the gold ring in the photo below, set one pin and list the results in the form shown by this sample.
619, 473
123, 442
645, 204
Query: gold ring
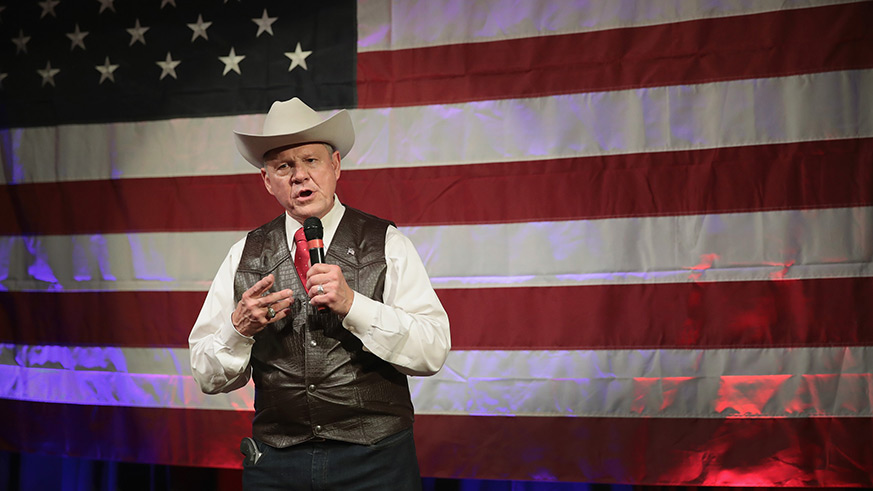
270, 313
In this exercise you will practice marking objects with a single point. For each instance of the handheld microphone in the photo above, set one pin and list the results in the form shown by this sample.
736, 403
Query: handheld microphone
314, 232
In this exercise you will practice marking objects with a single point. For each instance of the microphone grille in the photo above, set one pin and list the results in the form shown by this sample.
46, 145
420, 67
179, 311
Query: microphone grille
313, 229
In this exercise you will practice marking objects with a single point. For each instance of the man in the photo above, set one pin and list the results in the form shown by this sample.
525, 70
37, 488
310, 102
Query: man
329, 349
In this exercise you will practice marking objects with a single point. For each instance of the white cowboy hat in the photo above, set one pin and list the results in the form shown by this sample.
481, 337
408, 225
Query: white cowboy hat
291, 123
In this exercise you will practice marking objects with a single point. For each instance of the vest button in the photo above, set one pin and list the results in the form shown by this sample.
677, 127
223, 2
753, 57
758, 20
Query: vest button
313, 343
311, 388
317, 428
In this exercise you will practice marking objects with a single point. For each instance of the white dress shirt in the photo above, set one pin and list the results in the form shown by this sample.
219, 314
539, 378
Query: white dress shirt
410, 329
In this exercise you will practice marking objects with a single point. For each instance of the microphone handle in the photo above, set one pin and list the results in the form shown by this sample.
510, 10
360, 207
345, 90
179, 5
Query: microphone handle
316, 255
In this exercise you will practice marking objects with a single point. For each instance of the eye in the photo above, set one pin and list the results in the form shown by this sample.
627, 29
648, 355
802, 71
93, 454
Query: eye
282, 169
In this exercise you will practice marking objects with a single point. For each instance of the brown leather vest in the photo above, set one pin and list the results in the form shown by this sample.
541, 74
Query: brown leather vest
312, 377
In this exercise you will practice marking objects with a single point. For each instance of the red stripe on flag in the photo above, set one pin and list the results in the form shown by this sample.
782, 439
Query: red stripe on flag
136, 205
728, 48
752, 178
708, 452
734, 179
191, 437
819, 312
814, 312
131, 319
763, 451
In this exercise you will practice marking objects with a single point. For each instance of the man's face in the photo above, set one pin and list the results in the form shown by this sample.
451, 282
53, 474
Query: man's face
302, 178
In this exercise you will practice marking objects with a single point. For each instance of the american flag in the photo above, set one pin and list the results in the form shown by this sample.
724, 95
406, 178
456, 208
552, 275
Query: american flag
650, 223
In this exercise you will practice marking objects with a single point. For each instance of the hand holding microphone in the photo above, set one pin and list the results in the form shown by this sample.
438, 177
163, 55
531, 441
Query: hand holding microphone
314, 232
332, 291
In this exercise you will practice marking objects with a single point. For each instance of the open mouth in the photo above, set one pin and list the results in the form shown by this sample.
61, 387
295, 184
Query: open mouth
305, 193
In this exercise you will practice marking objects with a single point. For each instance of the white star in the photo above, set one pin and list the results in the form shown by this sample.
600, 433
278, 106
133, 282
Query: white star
48, 74
168, 67
265, 23
199, 28
171, 2
106, 4
231, 62
21, 42
78, 38
298, 57
2, 76
137, 33
48, 7
106, 70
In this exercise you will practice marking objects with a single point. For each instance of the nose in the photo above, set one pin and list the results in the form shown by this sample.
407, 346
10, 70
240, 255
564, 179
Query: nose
299, 176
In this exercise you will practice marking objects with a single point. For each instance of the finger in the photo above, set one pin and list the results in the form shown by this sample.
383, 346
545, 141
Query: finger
283, 304
261, 286
281, 309
324, 278
280, 314
316, 290
275, 297
318, 269
320, 302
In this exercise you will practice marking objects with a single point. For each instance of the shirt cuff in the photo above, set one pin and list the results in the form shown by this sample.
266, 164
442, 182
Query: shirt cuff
362, 315
230, 337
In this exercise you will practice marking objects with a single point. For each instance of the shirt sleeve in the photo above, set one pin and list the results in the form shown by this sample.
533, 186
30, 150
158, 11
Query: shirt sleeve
410, 328
219, 354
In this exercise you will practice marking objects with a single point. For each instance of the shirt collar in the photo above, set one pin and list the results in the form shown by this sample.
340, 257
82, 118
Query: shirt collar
330, 222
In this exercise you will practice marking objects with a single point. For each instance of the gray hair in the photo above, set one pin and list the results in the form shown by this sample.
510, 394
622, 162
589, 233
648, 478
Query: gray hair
330, 150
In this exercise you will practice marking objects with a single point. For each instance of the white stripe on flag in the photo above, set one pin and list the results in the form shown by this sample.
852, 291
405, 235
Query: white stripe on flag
795, 244
393, 24
716, 383
798, 108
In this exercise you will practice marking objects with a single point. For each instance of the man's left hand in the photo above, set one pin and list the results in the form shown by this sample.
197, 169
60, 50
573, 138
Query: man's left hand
327, 287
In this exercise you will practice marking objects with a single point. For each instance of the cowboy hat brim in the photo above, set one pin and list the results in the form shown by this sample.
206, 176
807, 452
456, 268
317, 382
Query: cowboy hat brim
336, 130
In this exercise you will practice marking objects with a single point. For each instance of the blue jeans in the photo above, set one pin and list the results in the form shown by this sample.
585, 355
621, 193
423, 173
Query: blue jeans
389, 464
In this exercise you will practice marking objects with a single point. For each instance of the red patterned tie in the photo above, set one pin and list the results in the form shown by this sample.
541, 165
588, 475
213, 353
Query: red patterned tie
301, 256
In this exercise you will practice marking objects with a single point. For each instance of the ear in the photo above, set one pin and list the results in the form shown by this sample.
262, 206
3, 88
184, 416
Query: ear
266, 177
335, 162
